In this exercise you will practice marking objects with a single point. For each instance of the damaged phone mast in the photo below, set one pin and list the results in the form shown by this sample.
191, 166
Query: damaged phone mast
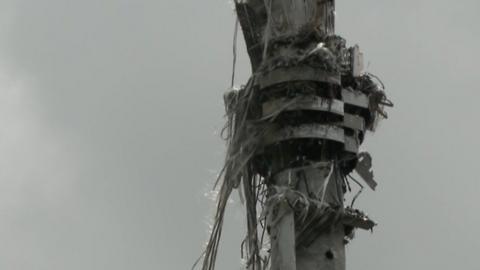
293, 135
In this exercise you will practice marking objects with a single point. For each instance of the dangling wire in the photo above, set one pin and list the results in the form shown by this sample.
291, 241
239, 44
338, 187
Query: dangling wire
234, 64
269, 26
358, 193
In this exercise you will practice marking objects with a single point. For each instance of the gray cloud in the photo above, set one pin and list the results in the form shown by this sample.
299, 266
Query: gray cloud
108, 117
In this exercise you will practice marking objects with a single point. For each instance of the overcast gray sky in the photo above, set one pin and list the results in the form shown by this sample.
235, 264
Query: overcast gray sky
109, 120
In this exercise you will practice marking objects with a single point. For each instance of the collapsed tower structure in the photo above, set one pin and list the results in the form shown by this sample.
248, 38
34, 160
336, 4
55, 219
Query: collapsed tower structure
294, 132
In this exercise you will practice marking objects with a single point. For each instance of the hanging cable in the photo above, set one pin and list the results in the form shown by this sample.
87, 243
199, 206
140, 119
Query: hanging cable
358, 193
234, 62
